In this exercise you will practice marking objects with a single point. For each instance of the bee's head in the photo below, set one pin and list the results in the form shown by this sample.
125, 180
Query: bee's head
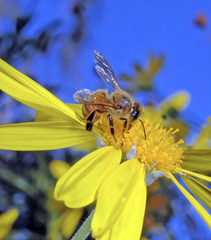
136, 111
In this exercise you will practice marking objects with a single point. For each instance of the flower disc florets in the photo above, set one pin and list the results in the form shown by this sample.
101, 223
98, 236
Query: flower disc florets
157, 150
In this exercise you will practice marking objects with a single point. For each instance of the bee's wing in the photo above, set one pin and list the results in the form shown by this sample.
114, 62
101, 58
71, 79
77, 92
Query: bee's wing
104, 70
82, 96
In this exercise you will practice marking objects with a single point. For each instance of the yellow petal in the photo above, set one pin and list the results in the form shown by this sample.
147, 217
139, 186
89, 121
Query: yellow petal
88, 146
53, 205
105, 236
70, 220
79, 185
6, 221
58, 168
121, 201
45, 116
203, 177
30, 93
35, 136
77, 108
133, 213
197, 160
198, 207
152, 114
177, 101
203, 140
202, 192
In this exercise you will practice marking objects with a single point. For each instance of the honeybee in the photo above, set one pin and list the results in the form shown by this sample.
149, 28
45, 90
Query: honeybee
118, 104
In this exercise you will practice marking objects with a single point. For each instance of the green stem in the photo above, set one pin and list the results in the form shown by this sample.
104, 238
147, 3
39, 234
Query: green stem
17, 181
85, 229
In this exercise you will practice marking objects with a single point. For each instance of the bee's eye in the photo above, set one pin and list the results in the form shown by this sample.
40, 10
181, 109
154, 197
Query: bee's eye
135, 114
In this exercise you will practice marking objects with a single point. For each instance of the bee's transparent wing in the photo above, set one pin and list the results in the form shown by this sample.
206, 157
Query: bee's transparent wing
104, 70
82, 96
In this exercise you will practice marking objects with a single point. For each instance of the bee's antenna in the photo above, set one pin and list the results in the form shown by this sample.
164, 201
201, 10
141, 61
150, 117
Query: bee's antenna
145, 136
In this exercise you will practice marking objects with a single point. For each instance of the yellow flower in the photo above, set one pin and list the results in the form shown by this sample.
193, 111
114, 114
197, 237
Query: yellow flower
6, 221
118, 173
66, 223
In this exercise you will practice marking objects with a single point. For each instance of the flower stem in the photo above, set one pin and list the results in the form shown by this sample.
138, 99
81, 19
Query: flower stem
17, 181
85, 229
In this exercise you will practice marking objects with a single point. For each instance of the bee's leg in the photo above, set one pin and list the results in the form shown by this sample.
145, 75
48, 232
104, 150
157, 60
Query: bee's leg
89, 121
145, 136
111, 125
89, 126
124, 125
130, 125
94, 116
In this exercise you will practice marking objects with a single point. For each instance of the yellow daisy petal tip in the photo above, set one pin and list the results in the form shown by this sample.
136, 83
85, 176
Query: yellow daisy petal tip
178, 101
88, 173
9, 217
6, 221
58, 168
70, 220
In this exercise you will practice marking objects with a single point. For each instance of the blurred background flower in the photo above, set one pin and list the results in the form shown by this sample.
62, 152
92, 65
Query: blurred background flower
65, 220
6, 221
